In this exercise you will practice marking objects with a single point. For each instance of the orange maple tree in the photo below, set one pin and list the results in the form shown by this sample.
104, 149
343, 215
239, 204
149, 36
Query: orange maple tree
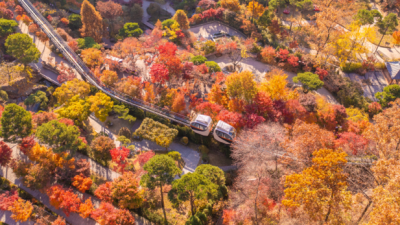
82, 183
85, 209
21, 210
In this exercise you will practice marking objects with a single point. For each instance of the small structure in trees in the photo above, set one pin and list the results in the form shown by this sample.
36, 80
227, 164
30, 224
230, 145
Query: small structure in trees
394, 72
155, 131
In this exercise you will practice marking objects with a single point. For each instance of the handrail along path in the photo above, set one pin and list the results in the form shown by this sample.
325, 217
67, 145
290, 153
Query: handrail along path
81, 67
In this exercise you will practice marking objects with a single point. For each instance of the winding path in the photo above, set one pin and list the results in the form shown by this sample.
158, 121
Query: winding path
87, 74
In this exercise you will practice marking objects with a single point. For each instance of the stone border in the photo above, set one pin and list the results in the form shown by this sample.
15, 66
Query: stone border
221, 22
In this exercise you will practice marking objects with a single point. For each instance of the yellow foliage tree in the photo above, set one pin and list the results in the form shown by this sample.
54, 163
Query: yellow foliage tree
92, 57
50, 160
76, 109
39, 153
149, 95
256, 9
92, 22
232, 5
167, 97
242, 86
21, 210
181, 17
321, 190
275, 85
171, 31
70, 89
218, 96
356, 114
109, 77
101, 105
179, 103
350, 44
386, 203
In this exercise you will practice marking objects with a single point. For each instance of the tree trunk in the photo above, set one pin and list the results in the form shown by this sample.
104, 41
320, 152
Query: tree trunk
162, 204
255, 202
327, 215
192, 204
383, 35
365, 210
327, 38
329, 210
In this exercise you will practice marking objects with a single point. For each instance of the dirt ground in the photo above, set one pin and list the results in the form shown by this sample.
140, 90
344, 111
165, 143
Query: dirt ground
217, 158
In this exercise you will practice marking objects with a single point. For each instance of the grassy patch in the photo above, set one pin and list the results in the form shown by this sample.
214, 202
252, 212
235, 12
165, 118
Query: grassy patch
217, 158
387, 40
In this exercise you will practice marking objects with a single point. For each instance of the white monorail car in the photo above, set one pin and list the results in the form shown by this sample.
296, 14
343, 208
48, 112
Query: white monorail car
224, 132
202, 125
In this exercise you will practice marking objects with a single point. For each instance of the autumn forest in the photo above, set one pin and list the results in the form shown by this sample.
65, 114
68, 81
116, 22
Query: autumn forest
199, 112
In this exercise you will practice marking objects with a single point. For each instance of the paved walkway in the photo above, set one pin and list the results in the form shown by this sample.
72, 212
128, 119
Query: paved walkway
372, 82
190, 156
45, 55
167, 7
392, 53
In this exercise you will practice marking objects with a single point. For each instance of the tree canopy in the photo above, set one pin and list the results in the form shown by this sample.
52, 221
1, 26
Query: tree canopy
155, 131
22, 47
192, 186
7, 27
130, 30
16, 122
161, 170
92, 22
60, 137
310, 81
389, 93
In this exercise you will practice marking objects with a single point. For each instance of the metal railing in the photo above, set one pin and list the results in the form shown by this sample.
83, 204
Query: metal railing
87, 74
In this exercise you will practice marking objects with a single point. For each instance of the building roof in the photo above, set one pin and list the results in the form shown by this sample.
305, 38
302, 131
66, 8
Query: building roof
221, 125
203, 119
114, 58
393, 69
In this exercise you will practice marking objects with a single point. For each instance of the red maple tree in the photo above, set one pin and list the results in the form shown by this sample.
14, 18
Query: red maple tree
321, 73
252, 120
142, 158
262, 106
283, 54
26, 144
7, 199
103, 192
5, 154
159, 73
351, 143
232, 118
105, 214
119, 156
209, 109
293, 61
